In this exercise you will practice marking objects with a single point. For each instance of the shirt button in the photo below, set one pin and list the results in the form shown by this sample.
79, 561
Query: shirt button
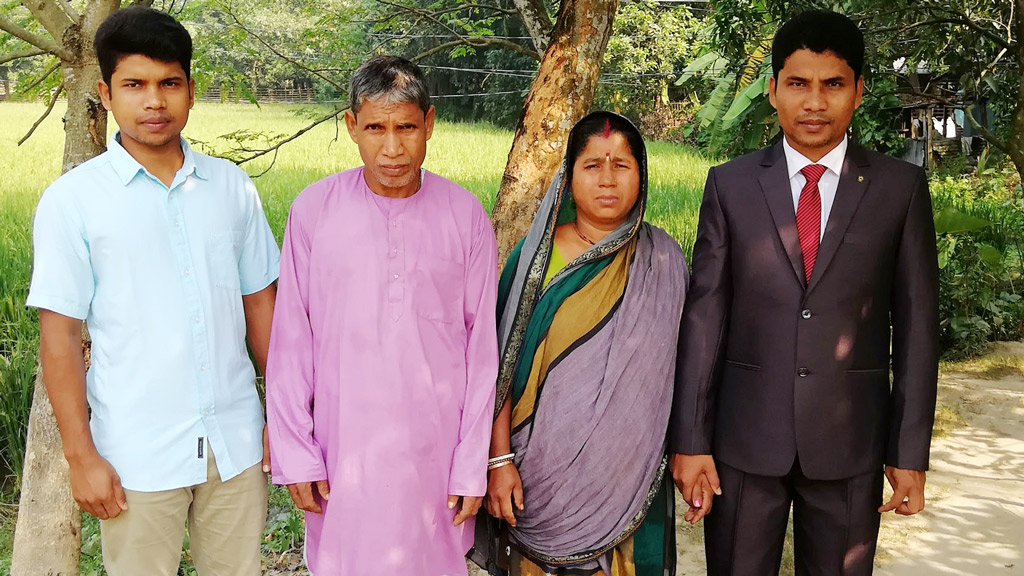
806, 314
202, 367
206, 412
177, 223
394, 224
196, 319
396, 276
188, 271
803, 372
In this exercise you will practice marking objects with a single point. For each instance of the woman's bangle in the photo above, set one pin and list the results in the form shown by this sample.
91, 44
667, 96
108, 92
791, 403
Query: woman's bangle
498, 465
502, 458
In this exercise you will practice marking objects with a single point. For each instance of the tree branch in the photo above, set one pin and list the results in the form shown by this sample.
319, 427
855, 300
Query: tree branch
41, 42
538, 23
19, 54
49, 108
478, 42
987, 134
296, 63
41, 79
275, 147
51, 15
475, 41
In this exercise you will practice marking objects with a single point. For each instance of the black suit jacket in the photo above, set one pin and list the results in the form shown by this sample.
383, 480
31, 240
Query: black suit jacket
770, 366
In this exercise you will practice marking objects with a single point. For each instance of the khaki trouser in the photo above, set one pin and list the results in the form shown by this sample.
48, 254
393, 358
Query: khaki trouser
225, 521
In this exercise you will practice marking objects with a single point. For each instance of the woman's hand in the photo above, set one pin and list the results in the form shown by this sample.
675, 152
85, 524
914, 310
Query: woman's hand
504, 490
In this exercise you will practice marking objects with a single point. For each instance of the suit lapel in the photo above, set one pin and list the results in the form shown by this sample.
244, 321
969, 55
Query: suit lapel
852, 184
778, 193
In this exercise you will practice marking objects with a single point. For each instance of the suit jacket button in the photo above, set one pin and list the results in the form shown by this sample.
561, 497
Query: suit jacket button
803, 372
806, 314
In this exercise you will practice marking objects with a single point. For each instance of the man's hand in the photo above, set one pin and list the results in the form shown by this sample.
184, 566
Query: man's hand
697, 480
266, 450
504, 490
305, 495
908, 491
97, 487
470, 506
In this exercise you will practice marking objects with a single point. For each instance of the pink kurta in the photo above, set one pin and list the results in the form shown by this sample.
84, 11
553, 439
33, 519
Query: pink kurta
383, 359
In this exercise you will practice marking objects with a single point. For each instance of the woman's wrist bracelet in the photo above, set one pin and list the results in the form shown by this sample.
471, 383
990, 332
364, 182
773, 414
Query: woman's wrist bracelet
502, 458
498, 464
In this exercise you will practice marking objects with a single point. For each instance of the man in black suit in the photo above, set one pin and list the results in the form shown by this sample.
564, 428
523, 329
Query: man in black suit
812, 257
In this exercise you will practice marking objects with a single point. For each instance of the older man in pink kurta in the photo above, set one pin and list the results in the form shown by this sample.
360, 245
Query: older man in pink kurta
384, 354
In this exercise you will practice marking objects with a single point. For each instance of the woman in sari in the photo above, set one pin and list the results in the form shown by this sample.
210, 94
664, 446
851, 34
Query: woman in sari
589, 305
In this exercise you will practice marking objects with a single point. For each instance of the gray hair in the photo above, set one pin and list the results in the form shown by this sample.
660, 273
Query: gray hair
389, 80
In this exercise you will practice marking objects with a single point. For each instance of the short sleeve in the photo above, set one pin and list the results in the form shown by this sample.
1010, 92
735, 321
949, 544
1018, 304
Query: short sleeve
260, 259
62, 274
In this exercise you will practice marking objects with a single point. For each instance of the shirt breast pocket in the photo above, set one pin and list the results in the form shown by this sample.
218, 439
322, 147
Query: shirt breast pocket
225, 248
438, 287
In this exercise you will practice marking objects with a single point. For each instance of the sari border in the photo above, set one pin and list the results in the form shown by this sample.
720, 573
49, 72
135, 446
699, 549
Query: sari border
581, 557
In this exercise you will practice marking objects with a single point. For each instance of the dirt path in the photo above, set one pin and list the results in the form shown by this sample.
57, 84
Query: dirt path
974, 520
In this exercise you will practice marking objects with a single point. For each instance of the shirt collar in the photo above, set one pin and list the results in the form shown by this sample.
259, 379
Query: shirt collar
128, 167
833, 161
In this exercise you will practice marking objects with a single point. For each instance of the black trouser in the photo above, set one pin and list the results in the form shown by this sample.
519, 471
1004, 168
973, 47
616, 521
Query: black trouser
835, 523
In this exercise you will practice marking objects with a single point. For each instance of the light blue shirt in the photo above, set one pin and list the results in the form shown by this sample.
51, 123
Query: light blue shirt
827, 185
159, 275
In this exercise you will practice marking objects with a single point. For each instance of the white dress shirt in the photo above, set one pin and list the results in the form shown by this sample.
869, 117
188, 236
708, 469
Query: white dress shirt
827, 185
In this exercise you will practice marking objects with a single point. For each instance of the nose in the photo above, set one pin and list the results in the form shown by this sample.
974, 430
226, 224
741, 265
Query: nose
607, 177
392, 144
155, 98
815, 100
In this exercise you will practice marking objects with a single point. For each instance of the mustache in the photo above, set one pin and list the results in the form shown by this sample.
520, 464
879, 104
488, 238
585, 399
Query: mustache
155, 119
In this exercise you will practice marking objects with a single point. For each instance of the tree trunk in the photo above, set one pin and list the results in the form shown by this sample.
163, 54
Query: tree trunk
47, 538
562, 93
1015, 141
538, 23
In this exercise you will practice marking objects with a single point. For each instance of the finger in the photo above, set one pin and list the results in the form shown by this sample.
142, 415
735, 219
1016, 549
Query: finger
92, 509
696, 491
690, 515
461, 516
712, 477
898, 496
309, 503
707, 495
471, 505
324, 488
119, 497
506, 511
266, 451
452, 501
517, 496
294, 493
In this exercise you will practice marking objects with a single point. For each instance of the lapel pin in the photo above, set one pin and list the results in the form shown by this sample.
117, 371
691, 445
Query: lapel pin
860, 178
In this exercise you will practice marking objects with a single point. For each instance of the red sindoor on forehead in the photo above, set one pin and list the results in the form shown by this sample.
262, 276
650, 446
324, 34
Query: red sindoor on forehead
607, 128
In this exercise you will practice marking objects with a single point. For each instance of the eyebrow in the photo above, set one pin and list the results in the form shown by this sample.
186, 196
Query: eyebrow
601, 159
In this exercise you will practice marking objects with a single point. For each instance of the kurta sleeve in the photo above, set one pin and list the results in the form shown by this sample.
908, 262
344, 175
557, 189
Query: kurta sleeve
295, 455
469, 464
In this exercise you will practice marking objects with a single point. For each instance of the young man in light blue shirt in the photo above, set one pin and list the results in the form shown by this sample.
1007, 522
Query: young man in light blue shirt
168, 256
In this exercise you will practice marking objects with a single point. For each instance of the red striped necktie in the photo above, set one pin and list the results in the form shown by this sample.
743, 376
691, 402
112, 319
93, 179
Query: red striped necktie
808, 217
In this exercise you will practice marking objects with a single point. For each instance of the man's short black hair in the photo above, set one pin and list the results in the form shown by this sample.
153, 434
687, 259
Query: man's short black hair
144, 31
819, 31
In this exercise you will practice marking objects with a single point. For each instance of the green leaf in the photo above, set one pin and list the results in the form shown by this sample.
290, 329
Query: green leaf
713, 107
953, 221
990, 255
711, 62
744, 101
